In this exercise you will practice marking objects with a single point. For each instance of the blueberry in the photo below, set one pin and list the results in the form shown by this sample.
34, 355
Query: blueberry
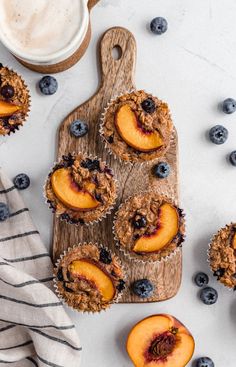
78, 128
139, 221
60, 275
232, 158
218, 134
121, 285
219, 273
229, 106
21, 181
148, 105
91, 164
7, 91
142, 288
208, 295
159, 25
1, 65
48, 85
204, 362
201, 279
4, 212
105, 256
161, 170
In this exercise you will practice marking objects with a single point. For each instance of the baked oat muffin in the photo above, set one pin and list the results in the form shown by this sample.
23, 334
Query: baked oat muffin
80, 189
222, 255
89, 278
149, 227
14, 101
137, 127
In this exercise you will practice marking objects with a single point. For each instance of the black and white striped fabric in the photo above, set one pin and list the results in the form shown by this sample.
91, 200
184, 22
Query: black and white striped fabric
34, 328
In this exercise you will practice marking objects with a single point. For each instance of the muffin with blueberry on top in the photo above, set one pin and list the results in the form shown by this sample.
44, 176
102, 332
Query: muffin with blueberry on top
137, 127
80, 189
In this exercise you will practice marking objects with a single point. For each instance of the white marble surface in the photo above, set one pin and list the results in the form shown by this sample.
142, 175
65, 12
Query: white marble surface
192, 67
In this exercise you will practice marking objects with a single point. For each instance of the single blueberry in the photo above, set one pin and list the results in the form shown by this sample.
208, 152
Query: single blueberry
219, 273
48, 85
229, 106
218, 134
91, 164
148, 105
21, 181
121, 286
139, 221
204, 362
232, 158
78, 128
159, 25
7, 91
4, 212
161, 170
142, 288
105, 256
208, 295
201, 279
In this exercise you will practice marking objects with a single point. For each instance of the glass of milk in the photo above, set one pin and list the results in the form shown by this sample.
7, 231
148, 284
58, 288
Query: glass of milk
43, 32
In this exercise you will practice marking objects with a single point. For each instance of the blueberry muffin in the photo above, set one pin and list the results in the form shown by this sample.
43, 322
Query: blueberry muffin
80, 189
137, 127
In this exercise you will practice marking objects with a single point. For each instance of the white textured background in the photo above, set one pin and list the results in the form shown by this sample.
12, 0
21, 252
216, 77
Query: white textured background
193, 67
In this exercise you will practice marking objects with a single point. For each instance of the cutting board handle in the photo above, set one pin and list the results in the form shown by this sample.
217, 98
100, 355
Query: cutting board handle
92, 3
118, 70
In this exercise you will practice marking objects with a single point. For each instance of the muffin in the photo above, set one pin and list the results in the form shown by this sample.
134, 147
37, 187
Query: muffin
80, 189
14, 101
89, 278
149, 227
137, 127
222, 256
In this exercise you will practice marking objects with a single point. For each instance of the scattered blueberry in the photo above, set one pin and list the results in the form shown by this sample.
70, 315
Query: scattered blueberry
78, 128
229, 106
218, 134
148, 105
91, 164
204, 362
159, 25
4, 212
142, 288
21, 181
48, 85
105, 256
7, 91
232, 158
208, 295
201, 279
139, 221
161, 170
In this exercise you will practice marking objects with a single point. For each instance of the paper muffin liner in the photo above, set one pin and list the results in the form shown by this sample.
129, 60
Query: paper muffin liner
26, 114
118, 295
138, 258
69, 219
107, 145
231, 289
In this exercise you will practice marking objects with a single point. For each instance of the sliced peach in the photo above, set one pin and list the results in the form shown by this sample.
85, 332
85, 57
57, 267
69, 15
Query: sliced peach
234, 241
160, 340
166, 230
69, 193
133, 134
89, 271
8, 109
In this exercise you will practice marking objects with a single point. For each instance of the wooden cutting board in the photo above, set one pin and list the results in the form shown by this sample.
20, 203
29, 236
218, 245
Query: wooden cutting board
117, 76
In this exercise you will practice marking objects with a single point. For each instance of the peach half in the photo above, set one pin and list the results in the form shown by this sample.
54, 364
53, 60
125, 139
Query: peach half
69, 193
8, 109
166, 229
234, 241
160, 341
83, 269
131, 131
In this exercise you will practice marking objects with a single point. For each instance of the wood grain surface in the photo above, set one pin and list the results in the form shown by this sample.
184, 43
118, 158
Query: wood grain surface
117, 76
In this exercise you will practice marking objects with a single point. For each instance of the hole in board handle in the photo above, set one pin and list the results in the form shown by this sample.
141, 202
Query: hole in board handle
116, 52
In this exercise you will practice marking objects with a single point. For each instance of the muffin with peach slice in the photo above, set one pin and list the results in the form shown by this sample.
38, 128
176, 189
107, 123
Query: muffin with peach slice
149, 227
160, 340
14, 101
89, 278
137, 127
80, 189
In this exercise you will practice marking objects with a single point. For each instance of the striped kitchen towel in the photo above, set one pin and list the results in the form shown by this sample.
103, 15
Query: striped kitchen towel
34, 328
